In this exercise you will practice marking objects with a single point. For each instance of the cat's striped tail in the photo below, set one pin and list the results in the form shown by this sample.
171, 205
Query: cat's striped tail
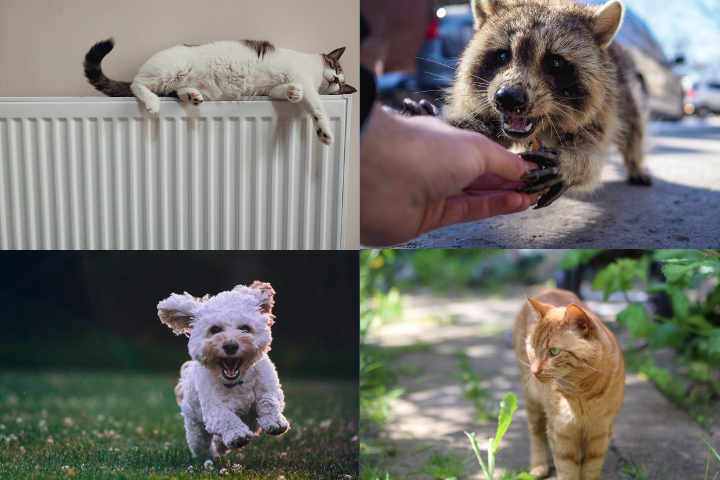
95, 75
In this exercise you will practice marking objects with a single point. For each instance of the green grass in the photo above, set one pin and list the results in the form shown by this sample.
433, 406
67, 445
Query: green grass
473, 390
130, 427
445, 465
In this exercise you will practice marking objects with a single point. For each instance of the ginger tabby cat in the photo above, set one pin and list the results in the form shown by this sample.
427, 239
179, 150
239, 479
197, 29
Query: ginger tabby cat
574, 377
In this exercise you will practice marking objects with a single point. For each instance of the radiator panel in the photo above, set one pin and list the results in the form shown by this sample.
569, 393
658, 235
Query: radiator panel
101, 173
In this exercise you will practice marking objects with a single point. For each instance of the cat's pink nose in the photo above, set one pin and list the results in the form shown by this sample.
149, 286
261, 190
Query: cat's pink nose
536, 370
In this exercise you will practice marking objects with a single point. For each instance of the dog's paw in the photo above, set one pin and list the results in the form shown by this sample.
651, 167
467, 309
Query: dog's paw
218, 447
294, 93
239, 440
276, 425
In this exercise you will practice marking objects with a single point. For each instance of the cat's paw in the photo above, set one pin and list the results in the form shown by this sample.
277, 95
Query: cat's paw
324, 135
153, 105
540, 471
190, 95
195, 98
294, 93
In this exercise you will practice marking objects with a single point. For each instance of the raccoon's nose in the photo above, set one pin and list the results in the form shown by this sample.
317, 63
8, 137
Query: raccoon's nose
512, 99
230, 348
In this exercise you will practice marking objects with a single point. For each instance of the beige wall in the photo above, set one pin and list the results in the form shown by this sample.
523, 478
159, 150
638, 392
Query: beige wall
43, 44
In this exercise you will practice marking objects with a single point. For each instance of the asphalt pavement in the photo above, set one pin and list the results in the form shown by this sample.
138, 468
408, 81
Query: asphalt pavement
681, 209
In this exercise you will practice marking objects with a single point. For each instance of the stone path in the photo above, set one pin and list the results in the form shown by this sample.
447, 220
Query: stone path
433, 412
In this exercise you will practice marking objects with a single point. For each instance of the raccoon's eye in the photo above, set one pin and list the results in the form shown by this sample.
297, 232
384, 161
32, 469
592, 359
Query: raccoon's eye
503, 57
245, 329
215, 330
554, 351
555, 64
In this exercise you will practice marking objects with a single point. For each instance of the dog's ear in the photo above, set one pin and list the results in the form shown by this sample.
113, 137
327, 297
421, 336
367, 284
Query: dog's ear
266, 300
176, 312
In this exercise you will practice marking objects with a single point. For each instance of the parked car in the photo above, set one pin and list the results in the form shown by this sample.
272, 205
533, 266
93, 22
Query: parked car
703, 98
452, 28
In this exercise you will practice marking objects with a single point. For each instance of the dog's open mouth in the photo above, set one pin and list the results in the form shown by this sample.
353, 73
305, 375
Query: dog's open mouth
230, 368
519, 127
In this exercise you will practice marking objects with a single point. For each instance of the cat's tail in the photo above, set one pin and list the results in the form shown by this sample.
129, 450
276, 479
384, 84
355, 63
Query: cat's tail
95, 75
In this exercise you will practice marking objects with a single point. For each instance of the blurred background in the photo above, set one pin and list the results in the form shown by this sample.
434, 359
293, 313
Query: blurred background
436, 356
97, 310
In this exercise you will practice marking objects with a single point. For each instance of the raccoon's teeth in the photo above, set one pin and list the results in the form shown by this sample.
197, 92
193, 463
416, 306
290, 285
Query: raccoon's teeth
529, 126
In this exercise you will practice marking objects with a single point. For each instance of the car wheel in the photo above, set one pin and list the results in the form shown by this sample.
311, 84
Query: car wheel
703, 112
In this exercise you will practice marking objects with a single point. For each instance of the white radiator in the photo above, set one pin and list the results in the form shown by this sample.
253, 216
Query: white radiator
101, 173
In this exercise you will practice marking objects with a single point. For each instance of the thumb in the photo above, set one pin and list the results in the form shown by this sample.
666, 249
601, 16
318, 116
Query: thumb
493, 158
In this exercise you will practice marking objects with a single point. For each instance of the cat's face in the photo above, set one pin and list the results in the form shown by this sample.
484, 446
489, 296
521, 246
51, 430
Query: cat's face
562, 343
333, 81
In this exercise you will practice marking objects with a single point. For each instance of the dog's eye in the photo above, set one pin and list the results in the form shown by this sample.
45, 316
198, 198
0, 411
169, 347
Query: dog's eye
245, 329
503, 57
215, 330
555, 64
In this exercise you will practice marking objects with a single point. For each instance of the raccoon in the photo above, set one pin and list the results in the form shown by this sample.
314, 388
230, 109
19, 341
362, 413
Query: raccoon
551, 68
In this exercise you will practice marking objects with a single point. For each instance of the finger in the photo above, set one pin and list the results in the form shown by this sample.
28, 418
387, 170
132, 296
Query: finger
474, 207
493, 182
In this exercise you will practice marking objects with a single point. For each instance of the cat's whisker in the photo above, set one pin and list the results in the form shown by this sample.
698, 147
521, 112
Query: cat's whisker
528, 383
585, 364
569, 382
523, 362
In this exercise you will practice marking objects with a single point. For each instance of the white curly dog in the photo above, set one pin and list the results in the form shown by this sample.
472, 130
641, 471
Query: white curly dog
230, 390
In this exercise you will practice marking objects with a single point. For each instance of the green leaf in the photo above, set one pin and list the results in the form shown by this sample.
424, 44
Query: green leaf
673, 272
700, 322
635, 318
507, 407
708, 444
604, 277
715, 341
476, 449
681, 304
524, 476
667, 335
659, 288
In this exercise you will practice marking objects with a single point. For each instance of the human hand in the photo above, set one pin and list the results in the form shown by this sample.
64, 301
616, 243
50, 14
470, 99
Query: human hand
420, 173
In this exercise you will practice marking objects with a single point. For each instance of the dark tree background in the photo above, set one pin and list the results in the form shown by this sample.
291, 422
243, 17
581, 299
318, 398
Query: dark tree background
98, 309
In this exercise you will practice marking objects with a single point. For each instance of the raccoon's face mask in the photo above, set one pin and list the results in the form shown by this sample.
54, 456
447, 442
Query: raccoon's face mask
538, 62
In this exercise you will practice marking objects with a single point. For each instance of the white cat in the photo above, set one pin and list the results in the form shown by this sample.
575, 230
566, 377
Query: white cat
229, 70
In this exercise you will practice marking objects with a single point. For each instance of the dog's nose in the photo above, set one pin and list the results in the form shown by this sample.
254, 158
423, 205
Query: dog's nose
230, 347
512, 99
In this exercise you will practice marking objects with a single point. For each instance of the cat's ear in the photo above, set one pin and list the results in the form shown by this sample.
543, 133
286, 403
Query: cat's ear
336, 54
578, 319
346, 89
539, 307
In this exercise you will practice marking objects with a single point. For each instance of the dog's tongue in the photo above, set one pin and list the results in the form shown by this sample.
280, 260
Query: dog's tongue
231, 367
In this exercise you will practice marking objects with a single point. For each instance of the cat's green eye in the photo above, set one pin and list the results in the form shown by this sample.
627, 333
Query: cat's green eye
554, 351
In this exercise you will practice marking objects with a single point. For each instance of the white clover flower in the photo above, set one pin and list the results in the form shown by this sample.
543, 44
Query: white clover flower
208, 464
65, 467
325, 423
50, 440
236, 467
223, 471
190, 469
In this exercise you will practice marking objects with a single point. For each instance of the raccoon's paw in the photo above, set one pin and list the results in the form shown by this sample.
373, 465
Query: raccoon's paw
640, 179
547, 177
294, 93
411, 108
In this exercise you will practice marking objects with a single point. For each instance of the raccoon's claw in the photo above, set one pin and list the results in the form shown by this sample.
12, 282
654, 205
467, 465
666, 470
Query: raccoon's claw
552, 194
411, 108
544, 157
534, 176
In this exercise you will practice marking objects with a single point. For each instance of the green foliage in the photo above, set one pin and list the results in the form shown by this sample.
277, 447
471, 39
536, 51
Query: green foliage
710, 448
107, 425
694, 327
473, 389
507, 407
575, 257
443, 466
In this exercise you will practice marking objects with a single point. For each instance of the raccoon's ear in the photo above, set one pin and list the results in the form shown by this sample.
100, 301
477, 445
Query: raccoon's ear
176, 312
482, 9
608, 19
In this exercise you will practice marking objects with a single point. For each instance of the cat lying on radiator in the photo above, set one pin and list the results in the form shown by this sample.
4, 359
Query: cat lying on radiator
228, 70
